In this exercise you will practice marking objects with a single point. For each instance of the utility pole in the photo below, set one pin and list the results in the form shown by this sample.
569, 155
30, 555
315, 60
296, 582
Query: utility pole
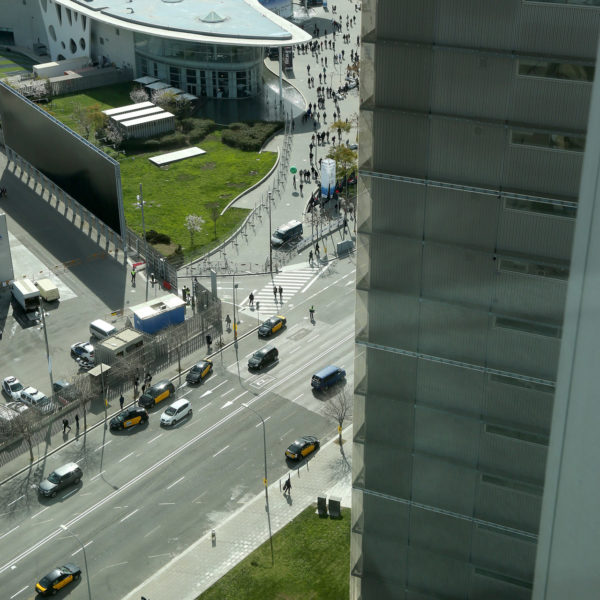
47, 346
141, 201
234, 286
270, 230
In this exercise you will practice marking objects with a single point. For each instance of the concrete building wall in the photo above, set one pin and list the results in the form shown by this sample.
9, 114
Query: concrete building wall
68, 32
472, 125
6, 266
112, 45
24, 19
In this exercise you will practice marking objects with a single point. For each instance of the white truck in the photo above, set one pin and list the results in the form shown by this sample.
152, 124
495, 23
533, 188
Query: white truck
26, 294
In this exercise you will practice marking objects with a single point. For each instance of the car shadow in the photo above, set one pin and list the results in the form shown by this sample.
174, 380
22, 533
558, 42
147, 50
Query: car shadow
266, 369
61, 496
296, 464
180, 423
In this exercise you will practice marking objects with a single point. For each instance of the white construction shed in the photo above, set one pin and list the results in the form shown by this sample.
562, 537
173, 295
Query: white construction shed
110, 112
136, 114
149, 126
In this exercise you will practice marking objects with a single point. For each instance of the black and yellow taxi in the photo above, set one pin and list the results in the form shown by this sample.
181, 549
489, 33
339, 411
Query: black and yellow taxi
199, 371
271, 326
57, 579
302, 447
130, 417
157, 393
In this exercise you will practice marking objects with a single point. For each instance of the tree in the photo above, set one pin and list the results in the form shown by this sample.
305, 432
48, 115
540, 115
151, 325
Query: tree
138, 94
183, 108
214, 210
81, 394
346, 159
339, 126
338, 409
164, 99
193, 224
113, 134
88, 118
24, 425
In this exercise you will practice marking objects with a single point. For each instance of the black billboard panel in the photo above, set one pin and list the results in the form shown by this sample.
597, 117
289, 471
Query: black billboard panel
83, 171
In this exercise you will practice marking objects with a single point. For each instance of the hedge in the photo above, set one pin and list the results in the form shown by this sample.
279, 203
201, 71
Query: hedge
250, 136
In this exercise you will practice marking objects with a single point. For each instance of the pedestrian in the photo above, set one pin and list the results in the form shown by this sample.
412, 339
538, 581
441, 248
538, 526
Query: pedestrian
275, 292
228, 322
122, 401
66, 425
143, 388
133, 276
310, 257
280, 294
76, 422
287, 486
136, 383
251, 296
317, 249
294, 181
148, 378
301, 186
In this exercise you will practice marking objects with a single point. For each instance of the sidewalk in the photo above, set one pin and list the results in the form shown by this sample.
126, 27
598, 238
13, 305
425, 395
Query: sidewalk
203, 563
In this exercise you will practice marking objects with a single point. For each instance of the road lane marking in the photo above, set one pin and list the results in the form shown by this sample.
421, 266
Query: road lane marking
100, 447
227, 392
349, 283
314, 279
125, 457
265, 420
15, 595
13, 529
46, 521
41, 511
96, 476
176, 482
198, 498
288, 431
242, 394
165, 503
19, 498
152, 531
297, 398
211, 390
158, 555
69, 494
203, 434
129, 515
221, 450
227, 404
154, 438
85, 546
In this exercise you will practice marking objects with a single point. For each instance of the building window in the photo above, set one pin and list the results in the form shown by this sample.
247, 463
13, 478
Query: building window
545, 208
102, 41
155, 69
534, 268
522, 383
512, 484
59, 13
528, 327
574, 2
555, 70
190, 76
174, 76
203, 83
515, 434
117, 32
144, 65
556, 141
241, 80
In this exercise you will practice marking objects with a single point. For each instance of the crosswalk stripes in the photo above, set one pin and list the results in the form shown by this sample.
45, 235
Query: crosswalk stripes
291, 282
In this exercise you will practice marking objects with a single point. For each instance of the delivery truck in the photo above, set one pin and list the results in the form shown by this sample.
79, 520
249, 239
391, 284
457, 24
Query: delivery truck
26, 294
48, 291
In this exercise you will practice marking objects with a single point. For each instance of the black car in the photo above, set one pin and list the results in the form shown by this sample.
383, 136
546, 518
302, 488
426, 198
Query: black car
60, 478
157, 393
199, 371
302, 447
134, 415
271, 326
57, 579
263, 357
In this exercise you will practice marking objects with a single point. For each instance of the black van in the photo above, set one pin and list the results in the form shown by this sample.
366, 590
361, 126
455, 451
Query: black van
157, 393
263, 357
327, 377
286, 233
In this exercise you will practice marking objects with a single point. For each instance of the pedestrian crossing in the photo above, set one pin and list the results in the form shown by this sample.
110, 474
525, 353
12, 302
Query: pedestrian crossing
291, 281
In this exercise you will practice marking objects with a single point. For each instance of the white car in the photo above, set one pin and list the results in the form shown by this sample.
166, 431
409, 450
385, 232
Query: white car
37, 399
19, 407
12, 388
83, 350
179, 410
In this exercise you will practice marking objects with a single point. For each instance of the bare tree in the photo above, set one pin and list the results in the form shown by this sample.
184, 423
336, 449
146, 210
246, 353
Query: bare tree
81, 394
193, 223
214, 210
113, 134
338, 409
24, 425
183, 107
138, 94
164, 99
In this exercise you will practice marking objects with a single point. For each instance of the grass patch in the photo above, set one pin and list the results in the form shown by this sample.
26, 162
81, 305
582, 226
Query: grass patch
188, 187
312, 558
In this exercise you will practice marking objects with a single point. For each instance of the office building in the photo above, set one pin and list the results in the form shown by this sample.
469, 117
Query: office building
473, 125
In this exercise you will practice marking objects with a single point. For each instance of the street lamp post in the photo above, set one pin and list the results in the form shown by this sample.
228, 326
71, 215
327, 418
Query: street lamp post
141, 201
87, 575
265, 480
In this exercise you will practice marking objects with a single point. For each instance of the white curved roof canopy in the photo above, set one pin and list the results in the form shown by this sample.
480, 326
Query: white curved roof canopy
234, 22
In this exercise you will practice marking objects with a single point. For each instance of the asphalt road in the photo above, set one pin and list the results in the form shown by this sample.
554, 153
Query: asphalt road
148, 493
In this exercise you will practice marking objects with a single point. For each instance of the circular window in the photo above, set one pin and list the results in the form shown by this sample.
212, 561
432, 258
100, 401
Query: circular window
60, 57
73, 46
63, 45
52, 32
82, 43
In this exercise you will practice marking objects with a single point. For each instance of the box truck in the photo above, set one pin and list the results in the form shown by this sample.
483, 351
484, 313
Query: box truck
26, 294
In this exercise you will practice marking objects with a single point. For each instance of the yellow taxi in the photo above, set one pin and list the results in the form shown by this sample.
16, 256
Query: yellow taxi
57, 579
302, 447
134, 415
271, 326
199, 371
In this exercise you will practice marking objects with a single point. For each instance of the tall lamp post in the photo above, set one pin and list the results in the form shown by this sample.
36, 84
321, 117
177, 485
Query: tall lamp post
140, 199
87, 575
265, 480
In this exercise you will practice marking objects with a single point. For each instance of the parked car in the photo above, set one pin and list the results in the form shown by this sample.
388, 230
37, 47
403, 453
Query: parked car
59, 479
37, 400
134, 415
302, 447
263, 357
157, 393
11, 388
271, 326
180, 409
57, 579
83, 350
199, 371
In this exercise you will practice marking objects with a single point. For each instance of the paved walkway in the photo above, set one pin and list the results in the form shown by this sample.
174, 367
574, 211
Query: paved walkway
203, 563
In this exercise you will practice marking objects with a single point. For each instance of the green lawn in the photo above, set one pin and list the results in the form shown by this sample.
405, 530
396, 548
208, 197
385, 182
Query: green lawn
187, 187
11, 62
312, 562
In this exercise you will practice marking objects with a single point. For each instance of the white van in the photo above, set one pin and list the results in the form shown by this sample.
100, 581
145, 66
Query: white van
180, 409
101, 329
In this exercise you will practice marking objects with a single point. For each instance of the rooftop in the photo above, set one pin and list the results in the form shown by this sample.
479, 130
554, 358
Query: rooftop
225, 21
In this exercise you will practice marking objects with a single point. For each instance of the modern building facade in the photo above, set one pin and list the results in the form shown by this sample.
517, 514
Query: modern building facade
206, 48
473, 125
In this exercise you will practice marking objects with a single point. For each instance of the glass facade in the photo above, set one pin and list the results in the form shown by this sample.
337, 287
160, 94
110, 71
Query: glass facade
214, 70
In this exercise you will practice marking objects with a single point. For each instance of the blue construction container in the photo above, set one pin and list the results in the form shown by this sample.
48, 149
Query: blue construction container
154, 315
